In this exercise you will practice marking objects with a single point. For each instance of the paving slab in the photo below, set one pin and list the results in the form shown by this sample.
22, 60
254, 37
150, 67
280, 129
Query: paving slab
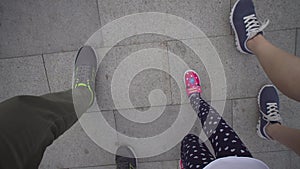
295, 158
133, 68
275, 160
282, 13
22, 76
75, 148
112, 10
245, 116
165, 123
29, 28
290, 112
148, 165
59, 67
210, 16
138, 129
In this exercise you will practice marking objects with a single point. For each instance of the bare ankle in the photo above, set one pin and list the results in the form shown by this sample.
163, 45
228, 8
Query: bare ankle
271, 130
252, 43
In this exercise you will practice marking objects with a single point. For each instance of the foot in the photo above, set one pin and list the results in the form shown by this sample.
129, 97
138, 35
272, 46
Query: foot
125, 158
85, 70
268, 102
245, 24
192, 83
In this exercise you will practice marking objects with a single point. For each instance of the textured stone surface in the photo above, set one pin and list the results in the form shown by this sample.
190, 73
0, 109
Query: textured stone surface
124, 63
113, 10
59, 67
295, 160
210, 16
22, 76
275, 160
137, 129
32, 27
147, 165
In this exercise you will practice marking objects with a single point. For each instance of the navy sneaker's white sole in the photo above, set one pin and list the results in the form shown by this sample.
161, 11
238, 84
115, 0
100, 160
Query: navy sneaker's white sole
237, 41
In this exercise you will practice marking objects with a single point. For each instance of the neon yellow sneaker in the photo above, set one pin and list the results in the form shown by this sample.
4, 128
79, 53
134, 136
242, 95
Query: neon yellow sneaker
85, 70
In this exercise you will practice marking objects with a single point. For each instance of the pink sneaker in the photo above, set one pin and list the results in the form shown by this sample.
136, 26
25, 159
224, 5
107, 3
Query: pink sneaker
180, 166
192, 82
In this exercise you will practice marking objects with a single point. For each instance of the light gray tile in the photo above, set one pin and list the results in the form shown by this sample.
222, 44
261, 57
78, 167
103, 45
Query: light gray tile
172, 154
97, 167
245, 116
22, 76
160, 165
59, 67
32, 27
282, 14
148, 165
166, 122
133, 75
75, 148
289, 112
112, 10
161, 121
295, 158
275, 160
210, 16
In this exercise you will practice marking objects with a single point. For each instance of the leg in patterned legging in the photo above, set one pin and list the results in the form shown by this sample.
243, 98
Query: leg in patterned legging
194, 155
224, 140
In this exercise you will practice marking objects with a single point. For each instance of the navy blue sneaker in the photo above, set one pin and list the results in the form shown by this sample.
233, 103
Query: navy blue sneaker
268, 102
245, 24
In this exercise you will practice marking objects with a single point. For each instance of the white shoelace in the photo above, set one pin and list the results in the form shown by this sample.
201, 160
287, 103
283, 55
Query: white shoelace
253, 26
272, 112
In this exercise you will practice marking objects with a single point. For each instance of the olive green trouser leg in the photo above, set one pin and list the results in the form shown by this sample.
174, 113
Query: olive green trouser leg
28, 124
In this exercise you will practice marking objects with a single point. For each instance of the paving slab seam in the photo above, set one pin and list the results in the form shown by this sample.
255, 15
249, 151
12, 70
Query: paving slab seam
46, 73
98, 10
276, 151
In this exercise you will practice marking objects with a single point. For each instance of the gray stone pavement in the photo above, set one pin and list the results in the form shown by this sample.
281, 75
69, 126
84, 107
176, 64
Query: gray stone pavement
39, 39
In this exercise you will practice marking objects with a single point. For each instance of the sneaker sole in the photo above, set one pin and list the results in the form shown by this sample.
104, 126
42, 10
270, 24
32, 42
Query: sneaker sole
259, 119
237, 41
